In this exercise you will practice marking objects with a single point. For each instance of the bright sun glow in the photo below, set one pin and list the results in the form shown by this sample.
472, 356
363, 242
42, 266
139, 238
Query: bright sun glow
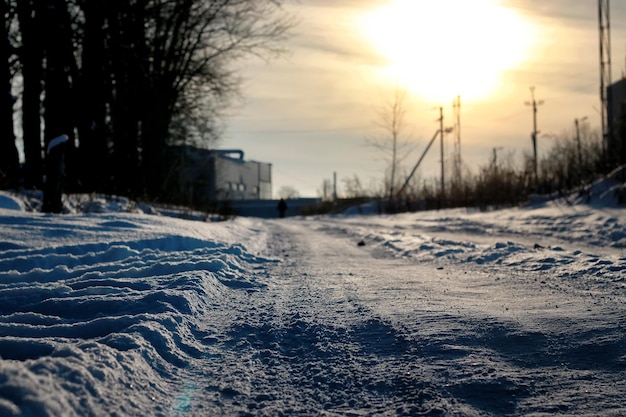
440, 49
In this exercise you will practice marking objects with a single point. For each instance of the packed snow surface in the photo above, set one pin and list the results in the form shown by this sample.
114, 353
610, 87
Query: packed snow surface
448, 313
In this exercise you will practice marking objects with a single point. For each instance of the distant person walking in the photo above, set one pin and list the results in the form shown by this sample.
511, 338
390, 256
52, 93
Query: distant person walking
282, 208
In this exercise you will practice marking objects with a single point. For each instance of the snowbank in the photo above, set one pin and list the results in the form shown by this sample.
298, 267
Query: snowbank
10, 202
111, 311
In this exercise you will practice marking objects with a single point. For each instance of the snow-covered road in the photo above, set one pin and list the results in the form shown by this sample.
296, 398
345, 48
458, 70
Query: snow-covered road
517, 312
321, 335
341, 329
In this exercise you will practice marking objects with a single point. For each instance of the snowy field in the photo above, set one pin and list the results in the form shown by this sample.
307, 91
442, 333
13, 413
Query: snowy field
517, 312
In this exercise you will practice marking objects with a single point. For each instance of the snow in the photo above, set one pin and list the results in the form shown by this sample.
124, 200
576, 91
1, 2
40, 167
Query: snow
114, 309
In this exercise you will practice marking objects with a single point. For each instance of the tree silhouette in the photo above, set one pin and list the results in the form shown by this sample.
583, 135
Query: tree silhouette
126, 79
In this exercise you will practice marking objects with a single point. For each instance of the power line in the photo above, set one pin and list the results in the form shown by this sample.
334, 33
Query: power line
296, 131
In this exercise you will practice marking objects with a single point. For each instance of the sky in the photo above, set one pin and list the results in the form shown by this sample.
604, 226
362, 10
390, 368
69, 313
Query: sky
118, 308
313, 112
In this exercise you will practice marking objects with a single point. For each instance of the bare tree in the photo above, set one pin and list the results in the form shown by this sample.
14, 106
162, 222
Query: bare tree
570, 160
9, 160
353, 188
326, 192
288, 192
126, 79
93, 90
189, 48
31, 52
391, 141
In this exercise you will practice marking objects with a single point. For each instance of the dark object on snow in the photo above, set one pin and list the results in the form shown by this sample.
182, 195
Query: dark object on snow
55, 171
282, 208
538, 246
361, 243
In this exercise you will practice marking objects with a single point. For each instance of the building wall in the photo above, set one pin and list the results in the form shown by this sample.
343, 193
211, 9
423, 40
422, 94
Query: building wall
265, 181
240, 180
205, 176
616, 112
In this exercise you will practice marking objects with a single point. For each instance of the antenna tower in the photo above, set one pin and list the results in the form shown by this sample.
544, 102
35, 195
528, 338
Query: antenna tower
604, 21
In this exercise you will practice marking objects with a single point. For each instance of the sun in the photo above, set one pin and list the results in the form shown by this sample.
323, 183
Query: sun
441, 49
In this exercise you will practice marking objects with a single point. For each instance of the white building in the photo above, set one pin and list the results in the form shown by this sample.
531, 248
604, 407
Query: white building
207, 176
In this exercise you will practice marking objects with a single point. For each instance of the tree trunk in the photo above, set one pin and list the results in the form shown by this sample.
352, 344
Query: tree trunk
154, 144
57, 102
9, 158
125, 108
92, 91
31, 57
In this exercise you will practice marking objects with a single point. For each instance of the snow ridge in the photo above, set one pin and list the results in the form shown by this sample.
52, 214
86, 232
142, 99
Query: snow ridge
102, 322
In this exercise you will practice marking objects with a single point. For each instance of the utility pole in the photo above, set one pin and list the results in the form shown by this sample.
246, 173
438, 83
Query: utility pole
604, 23
580, 154
419, 161
495, 156
442, 153
534, 103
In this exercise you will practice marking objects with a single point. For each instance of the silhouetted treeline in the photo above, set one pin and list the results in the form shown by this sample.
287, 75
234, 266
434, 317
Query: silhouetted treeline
123, 80
571, 163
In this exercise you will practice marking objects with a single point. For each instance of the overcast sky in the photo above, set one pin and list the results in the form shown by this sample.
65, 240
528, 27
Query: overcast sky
312, 112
